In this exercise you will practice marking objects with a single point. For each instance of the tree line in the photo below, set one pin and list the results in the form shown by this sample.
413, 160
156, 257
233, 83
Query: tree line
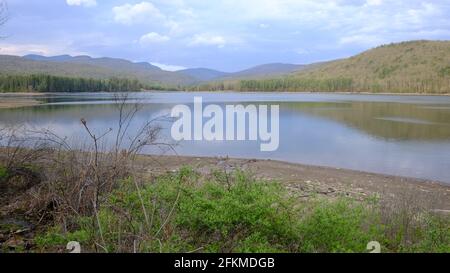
281, 84
47, 83
436, 85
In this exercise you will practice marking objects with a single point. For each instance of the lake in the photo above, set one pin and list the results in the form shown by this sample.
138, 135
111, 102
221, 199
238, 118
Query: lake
396, 135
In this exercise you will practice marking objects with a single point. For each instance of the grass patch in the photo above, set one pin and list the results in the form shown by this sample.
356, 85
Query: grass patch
339, 226
444, 71
3, 173
55, 238
226, 213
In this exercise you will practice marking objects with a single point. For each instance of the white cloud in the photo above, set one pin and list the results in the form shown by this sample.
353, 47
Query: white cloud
302, 51
374, 2
85, 3
153, 37
187, 12
142, 12
365, 40
39, 49
168, 67
208, 40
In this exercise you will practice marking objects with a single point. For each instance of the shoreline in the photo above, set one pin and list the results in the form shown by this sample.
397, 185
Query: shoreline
18, 100
12, 103
304, 92
37, 94
308, 180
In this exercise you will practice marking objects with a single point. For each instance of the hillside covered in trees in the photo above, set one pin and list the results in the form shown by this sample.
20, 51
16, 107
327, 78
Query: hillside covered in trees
408, 67
46, 83
88, 67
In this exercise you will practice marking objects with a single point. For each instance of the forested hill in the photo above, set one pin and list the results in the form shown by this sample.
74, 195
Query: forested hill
87, 67
47, 83
420, 66
408, 67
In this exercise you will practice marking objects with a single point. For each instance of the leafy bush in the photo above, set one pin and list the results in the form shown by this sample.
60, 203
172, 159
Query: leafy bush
3, 173
178, 213
444, 71
245, 216
340, 226
184, 212
55, 238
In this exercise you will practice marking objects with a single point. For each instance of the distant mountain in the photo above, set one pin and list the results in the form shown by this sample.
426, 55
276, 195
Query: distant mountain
407, 67
60, 58
203, 74
261, 71
102, 62
267, 70
87, 67
100, 68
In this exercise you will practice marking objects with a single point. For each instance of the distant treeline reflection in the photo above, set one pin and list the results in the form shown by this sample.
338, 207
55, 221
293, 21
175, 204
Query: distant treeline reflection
394, 121
47, 83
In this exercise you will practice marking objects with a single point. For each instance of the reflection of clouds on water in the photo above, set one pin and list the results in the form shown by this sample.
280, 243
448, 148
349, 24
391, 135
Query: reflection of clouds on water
367, 132
407, 120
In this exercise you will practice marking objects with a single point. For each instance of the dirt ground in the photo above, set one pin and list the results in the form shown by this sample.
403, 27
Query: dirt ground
6, 102
306, 181
18, 227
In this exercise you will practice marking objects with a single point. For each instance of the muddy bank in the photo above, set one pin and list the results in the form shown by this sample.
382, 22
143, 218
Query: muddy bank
20, 222
17, 102
307, 181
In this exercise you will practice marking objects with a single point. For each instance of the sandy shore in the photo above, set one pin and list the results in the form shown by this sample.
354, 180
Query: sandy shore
306, 181
7, 102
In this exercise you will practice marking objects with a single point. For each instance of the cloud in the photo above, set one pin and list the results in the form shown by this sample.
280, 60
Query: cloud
142, 12
249, 32
374, 2
302, 51
395, 23
365, 40
187, 12
37, 48
208, 40
153, 37
169, 67
85, 3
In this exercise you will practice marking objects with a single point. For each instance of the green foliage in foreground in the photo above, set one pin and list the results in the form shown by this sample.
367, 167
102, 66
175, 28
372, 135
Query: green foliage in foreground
3, 172
184, 212
47, 83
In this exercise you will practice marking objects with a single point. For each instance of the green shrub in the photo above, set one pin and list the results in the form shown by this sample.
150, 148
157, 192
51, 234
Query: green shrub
3, 173
56, 238
247, 215
339, 226
444, 71
432, 237
184, 212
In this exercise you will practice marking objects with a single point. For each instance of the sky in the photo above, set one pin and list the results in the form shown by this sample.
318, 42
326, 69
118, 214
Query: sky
228, 35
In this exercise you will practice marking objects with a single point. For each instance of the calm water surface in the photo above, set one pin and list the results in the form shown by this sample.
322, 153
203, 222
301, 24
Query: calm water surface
398, 135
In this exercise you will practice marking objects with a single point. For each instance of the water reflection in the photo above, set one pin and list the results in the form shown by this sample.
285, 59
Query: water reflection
396, 121
407, 136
